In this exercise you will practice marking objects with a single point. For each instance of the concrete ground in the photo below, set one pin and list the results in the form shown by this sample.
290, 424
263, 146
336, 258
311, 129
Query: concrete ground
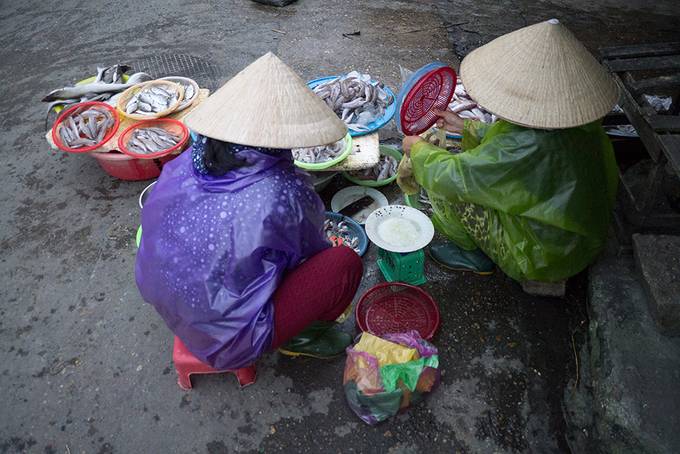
86, 365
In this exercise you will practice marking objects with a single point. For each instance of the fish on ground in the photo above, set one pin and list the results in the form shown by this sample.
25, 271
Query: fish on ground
151, 140
85, 128
356, 99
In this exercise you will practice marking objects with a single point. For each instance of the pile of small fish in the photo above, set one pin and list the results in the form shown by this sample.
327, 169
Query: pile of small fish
108, 82
355, 99
151, 140
385, 168
465, 107
339, 234
86, 128
323, 153
189, 91
151, 100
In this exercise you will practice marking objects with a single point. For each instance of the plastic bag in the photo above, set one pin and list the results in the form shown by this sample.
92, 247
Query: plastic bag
376, 392
385, 351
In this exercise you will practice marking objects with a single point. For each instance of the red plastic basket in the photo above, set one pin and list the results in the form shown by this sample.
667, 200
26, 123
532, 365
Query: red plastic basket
431, 92
394, 307
173, 126
125, 167
56, 138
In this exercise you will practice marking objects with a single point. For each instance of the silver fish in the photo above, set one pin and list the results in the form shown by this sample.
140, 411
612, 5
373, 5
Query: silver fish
85, 128
151, 100
151, 140
384, 169
189, 90
324, 153
465, 107
356, 99
339, 233
77, 91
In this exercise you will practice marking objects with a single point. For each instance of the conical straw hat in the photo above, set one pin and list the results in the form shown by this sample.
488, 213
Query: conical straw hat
539, 76
267, 105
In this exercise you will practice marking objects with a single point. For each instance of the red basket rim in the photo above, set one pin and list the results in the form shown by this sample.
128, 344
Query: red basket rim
57, 140
409, 98
361, 321
150, 122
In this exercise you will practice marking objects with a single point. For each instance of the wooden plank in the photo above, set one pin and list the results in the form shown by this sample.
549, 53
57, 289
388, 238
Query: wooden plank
639, 121
640, 50
644, 63
664, 123
671, 148
661, 82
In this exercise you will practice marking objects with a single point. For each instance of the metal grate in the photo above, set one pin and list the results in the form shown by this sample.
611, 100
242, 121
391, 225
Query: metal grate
205, 73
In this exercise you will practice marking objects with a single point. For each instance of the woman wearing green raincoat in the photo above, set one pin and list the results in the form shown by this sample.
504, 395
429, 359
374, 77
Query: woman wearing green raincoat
533, 191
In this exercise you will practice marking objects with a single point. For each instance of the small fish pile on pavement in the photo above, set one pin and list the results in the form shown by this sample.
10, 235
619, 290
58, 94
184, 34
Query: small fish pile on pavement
323, 153
465, 107
86, 128
339, 234
189, 91
355, 99
152, 100
151, 140
385, 168
109, 82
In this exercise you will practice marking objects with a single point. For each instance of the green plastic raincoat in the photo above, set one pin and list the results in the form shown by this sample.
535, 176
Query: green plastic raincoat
537, 202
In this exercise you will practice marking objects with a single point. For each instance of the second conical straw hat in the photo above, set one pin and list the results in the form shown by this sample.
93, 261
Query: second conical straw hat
539, 76
267, 105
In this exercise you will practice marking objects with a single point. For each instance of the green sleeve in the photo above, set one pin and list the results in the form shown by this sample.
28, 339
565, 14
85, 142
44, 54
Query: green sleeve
483, 175
473, 133
563, 178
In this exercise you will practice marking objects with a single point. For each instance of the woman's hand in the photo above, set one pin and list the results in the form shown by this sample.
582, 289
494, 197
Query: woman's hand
449, 121
408, 142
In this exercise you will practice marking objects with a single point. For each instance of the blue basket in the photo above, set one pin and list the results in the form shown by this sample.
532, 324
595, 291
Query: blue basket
374, 125
354, 226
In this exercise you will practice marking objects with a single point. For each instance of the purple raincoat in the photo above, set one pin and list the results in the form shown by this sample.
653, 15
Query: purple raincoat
214, 250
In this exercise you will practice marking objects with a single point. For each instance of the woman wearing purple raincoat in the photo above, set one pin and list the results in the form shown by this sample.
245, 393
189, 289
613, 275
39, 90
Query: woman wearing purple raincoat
233, 254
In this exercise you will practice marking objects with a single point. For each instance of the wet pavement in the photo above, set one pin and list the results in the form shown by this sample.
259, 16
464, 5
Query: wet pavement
86, 365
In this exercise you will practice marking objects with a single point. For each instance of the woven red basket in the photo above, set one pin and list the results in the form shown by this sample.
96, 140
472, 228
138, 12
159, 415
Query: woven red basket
394, 307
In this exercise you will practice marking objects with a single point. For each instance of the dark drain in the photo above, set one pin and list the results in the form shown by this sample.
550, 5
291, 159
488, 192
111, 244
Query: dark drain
205, 73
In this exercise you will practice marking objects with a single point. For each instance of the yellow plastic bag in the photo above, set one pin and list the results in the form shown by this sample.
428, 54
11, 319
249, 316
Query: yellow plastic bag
385, 351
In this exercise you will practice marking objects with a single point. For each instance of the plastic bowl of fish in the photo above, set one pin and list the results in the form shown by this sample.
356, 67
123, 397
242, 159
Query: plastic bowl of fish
153, 99
343, 231
381, 174
151, 139
190, 90
364, 104
324, 156
85, 127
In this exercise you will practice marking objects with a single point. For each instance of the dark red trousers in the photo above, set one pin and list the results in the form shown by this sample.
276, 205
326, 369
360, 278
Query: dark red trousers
319, 289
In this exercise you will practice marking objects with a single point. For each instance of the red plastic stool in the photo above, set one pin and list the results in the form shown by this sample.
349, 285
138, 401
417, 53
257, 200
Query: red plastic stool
186, 364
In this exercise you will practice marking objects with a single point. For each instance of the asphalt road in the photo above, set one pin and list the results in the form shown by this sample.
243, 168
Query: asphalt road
85, 364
